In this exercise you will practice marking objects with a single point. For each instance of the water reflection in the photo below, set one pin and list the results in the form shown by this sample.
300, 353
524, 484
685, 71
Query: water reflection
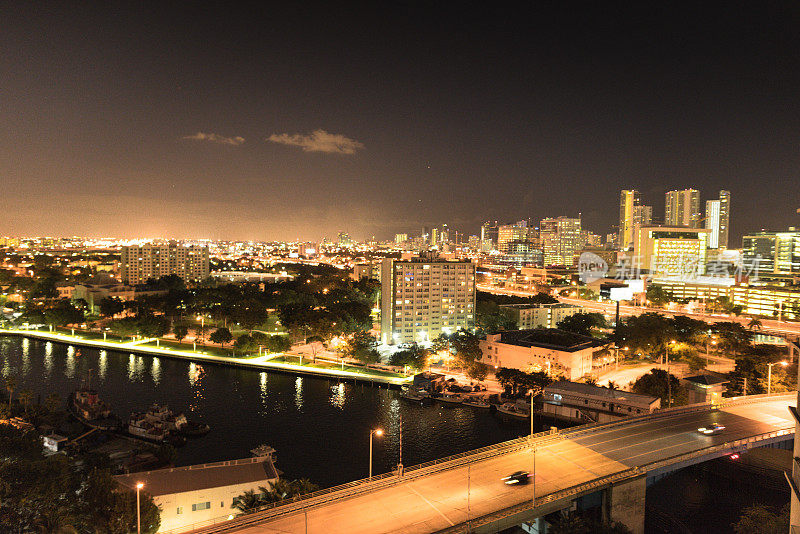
337, 395
155, 370
26, 343
131, 367
298, 393
69, 371
48, 358
102, 364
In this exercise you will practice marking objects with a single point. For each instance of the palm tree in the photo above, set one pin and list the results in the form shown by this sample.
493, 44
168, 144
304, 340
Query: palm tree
11, 384
247, 502
611, 385
591, 381
53, 402
754, 324
25, 397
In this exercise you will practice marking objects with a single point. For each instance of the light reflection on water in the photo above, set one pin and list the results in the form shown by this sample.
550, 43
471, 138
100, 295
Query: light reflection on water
337, 395
70, 364
102, 364
48, 358
298, 393
155, 370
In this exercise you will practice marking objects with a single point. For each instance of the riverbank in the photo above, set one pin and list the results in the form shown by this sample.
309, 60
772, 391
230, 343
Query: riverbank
256, 363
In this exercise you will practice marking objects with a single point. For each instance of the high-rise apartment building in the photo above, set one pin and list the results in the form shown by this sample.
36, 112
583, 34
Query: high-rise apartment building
628, 201
343, 239
154, 260
422, 298
724, 217
489, 231
560, 238
399, 239
772, 252
682, 208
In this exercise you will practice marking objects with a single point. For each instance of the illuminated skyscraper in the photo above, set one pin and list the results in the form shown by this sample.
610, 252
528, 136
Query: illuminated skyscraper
628, 201
682, 208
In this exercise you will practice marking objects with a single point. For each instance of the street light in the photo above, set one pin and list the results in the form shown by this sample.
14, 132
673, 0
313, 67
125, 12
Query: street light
769, 374
713, 342
139, 486
202, 319
377, 432
669, 382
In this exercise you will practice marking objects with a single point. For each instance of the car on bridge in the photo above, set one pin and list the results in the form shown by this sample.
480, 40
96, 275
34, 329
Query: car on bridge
517, 477
711, 430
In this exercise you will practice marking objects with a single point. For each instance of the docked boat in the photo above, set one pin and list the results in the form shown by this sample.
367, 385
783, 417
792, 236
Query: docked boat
140, 427
163, 416
415, 395
451, 398
87, 406
514, 410
477, 402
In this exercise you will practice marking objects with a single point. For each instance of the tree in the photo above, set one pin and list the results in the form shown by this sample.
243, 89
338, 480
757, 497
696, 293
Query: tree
582, 323
467, 348
415, 357
658, 296
277, 344
111, 306
755, 324
221, 336
762, 519
245, 343
25, 397
247, 502
477, 371
11, 384
361, 346
63, 313
654, 384
181, 330
518, 383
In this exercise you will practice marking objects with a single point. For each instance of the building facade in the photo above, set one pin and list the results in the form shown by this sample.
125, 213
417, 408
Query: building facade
551, 351
577, 402
628, 201
671, 251
682, 208
154, 260
422, 298
527, 316
560, 238
772, 252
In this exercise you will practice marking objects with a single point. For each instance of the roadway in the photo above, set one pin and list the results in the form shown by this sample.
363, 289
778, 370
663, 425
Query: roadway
609, 308
440, 500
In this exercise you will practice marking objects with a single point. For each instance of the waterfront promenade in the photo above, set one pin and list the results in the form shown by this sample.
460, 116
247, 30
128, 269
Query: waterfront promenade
259, 363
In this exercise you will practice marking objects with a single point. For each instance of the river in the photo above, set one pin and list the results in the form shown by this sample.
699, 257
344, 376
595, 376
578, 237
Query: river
319, 428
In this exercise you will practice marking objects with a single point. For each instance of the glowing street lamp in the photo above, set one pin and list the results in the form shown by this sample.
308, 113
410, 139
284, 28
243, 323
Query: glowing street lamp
139, 486
377, 432
769, 374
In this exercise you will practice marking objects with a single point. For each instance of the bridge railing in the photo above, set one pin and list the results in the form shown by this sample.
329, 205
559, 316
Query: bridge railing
603, 482
357, 487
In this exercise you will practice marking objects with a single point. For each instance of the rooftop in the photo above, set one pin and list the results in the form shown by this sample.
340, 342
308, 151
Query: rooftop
203, 476
706, 379
597, 391
552, 338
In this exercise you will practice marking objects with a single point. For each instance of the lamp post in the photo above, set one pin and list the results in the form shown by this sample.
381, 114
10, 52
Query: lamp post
669, 382
139, 486
202, 319
377, 432
713, 342
769, 374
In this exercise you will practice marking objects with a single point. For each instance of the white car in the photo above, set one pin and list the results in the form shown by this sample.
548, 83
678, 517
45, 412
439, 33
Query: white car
711, 430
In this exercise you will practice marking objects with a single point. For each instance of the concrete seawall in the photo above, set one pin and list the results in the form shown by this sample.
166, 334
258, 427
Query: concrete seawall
256, 365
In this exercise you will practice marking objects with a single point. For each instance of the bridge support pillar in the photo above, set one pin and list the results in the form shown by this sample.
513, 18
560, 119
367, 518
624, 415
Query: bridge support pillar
625, 503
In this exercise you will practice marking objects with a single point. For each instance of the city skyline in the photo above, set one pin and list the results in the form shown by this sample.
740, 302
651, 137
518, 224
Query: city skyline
289, 125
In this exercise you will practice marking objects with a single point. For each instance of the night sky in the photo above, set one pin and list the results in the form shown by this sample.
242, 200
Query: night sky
278, 123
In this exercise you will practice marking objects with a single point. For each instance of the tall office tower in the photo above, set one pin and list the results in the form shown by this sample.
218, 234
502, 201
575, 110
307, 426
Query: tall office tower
434, 237
628, 201
154, 260
682, 208
772, 252
426, 234
717, 215
444, 234
724, 217
642, 216
399, 239
508, 233
560, 238
422, 298
489, 233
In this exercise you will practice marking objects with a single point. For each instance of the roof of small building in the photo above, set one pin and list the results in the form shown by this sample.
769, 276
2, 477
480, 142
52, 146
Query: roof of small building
707, 379
550, 338
197, 477
588, 389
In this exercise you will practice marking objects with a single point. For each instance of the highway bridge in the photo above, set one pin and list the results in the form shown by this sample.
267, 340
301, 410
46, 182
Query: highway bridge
465, 493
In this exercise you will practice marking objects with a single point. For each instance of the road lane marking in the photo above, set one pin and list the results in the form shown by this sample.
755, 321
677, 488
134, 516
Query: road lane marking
421, 496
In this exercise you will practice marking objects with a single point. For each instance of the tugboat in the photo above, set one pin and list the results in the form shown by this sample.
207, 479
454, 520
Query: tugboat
176, 423
155, 426
86, 406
